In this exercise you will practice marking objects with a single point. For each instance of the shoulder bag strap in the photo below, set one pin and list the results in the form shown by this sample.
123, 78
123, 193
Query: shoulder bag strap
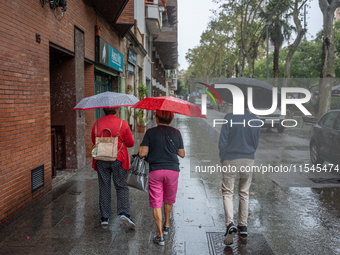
120, 128
107, 130
118, 136
169, 139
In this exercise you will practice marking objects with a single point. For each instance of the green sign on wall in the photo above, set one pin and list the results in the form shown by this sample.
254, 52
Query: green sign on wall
132, 57
115, 59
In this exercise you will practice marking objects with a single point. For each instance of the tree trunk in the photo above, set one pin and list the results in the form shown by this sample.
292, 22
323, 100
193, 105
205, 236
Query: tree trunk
242, 65
276, 62
295, 45
251, 56
289, 57
236, 69
328, 55
250, 66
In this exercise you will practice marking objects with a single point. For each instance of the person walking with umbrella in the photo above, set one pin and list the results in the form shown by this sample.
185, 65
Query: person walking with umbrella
162, 145
117, 169
112, 125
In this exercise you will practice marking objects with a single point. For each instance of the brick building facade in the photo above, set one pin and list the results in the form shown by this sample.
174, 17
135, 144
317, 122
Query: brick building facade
47, 65
51, 57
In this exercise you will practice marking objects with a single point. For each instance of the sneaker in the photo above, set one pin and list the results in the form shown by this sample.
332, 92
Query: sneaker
159, 240
229, 235
166, 230
104, 222
124, 217
242, 230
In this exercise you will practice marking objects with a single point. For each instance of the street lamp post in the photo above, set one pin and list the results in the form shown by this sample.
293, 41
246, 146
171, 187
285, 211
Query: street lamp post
267, 25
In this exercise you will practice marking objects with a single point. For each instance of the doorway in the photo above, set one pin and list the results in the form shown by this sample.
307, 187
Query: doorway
62, 101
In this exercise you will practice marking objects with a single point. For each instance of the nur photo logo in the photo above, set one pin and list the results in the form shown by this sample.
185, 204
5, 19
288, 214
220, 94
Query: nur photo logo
238, 99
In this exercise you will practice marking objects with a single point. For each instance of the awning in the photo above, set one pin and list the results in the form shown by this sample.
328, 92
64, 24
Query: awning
117, 13
105, 71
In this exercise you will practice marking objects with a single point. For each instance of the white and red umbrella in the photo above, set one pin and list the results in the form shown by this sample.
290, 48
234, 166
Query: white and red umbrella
106, 99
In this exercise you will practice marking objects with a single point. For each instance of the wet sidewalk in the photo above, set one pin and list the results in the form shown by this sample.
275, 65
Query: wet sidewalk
66, 221
282, 220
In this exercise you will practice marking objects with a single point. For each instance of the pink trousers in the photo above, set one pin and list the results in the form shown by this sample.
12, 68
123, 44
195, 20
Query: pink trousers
162, 187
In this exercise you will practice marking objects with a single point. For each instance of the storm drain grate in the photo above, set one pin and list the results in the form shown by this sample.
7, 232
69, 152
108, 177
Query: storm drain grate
74, 193
37, 178
326, 180
253, 244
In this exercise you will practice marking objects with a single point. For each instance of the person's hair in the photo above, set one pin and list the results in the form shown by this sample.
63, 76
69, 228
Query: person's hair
111, 111
164, 117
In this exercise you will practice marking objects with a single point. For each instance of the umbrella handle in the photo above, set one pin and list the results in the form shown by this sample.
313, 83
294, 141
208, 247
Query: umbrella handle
79, 114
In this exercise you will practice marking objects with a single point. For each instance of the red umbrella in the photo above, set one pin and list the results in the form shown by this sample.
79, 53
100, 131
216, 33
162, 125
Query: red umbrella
170, 103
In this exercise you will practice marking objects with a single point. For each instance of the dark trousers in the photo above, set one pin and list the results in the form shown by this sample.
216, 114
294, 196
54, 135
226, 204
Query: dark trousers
105, 169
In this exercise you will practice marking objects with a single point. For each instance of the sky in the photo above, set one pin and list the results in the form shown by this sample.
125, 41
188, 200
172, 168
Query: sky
194, 16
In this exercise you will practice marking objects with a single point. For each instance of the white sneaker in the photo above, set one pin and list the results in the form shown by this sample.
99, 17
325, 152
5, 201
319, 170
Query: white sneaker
104, 222
124, 217
229, 235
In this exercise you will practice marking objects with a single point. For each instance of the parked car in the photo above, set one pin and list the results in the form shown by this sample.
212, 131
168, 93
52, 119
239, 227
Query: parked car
210, 104
273, 120
198, 101
325, 143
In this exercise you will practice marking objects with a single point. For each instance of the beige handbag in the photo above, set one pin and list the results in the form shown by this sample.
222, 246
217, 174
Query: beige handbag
106, 148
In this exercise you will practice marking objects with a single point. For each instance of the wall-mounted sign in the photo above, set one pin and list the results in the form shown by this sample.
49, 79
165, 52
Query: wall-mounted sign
131, 68
132, 58
115, 59
107, 55
174, 85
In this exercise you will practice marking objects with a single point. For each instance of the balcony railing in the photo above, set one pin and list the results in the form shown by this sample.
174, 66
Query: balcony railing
138, 34
151, 2
153, 16
170, 74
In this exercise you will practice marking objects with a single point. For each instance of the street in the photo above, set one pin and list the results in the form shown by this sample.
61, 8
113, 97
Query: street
288, 212
70, 69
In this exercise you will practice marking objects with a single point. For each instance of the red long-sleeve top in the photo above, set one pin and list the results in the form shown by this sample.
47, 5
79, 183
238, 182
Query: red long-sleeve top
113, 122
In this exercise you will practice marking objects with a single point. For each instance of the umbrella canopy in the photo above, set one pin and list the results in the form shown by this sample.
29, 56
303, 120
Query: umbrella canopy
262, 91
169, 103
106, 100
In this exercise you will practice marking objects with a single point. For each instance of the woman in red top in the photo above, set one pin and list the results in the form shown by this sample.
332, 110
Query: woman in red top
118, 169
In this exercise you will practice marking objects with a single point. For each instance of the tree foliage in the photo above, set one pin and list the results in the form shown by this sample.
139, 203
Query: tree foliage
215, 56
328, 56
181, 88
234, 44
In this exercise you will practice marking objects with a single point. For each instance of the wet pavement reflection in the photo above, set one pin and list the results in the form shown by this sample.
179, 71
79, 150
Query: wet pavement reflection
288, 215
252, 244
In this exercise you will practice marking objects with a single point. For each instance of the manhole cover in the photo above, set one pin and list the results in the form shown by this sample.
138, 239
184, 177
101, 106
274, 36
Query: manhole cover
326, 180
74, 193
252, 244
